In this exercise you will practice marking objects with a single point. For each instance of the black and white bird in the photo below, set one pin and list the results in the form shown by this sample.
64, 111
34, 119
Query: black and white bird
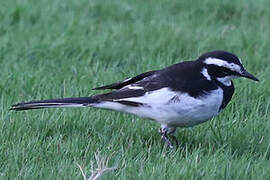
181, 95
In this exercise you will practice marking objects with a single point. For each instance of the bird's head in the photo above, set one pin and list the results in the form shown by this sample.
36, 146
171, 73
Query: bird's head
223, 67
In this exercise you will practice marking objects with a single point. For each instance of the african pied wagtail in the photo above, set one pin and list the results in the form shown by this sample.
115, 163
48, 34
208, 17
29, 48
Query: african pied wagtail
181, 95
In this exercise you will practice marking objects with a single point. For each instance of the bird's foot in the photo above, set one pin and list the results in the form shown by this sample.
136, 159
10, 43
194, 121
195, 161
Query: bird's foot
165, 133
175, 140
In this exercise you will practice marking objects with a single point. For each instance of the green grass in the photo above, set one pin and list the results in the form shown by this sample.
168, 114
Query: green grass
64, 48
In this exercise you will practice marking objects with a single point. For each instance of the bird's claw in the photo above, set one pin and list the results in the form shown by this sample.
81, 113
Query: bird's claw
164, 135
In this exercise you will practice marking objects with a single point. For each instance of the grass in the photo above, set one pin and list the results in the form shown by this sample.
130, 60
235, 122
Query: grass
64, 48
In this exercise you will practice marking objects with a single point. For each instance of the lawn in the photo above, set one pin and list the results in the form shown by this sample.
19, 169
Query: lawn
64, 48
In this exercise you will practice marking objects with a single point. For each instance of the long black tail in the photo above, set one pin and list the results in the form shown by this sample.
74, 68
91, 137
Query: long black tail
55, 103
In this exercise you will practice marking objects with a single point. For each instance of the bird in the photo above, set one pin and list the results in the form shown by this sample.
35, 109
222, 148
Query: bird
180, 95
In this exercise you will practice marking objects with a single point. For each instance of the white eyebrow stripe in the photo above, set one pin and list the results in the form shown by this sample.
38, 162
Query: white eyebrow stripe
222, 63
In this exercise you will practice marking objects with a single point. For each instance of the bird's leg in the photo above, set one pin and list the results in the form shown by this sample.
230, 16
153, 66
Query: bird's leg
164, 135
172, 134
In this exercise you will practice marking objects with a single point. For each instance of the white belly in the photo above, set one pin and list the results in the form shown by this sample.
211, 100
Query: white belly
168, 107
173, 109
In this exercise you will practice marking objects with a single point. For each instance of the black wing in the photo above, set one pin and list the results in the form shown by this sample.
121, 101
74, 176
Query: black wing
183, 77
126, 82
132, 87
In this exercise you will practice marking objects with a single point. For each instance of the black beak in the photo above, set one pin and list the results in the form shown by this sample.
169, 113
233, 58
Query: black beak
249, 76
